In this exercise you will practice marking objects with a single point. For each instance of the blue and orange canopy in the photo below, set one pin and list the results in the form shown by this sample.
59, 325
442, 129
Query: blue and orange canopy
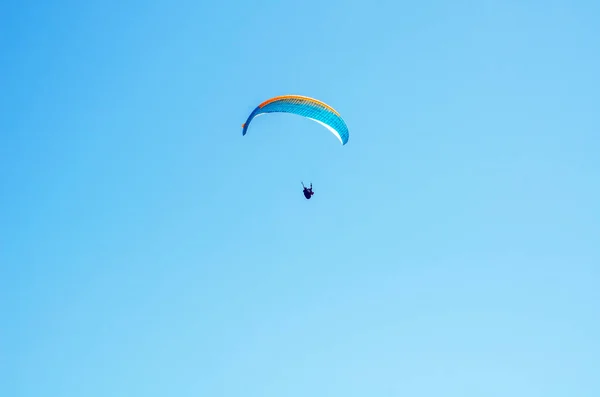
306, 107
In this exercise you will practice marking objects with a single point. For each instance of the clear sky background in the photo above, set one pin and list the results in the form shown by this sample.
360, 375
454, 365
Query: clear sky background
452, 247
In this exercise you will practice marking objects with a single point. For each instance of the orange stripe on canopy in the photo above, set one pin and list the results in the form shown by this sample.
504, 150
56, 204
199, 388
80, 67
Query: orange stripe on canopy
300, 97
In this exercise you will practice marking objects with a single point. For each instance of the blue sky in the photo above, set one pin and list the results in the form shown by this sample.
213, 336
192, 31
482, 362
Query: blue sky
451, 248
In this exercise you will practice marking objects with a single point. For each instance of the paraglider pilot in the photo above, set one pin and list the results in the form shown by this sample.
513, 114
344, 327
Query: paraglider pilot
308, 192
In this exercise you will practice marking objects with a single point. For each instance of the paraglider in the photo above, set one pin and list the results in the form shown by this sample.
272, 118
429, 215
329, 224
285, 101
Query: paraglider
309, 108
308, 192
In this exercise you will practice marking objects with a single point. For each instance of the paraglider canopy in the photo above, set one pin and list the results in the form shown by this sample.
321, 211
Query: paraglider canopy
310, 108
